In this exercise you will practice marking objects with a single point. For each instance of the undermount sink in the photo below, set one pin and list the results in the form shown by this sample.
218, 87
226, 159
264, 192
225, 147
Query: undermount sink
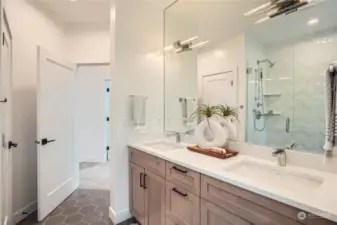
164, 145
275, 175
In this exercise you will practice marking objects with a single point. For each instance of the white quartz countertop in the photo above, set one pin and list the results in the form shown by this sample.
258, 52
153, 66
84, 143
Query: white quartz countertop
320, 201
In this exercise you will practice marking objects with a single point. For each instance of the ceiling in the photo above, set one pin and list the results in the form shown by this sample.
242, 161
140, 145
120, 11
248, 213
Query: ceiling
222, 19
76, 12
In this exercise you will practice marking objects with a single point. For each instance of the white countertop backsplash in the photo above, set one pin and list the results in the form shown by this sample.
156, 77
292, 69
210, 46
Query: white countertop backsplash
321, 201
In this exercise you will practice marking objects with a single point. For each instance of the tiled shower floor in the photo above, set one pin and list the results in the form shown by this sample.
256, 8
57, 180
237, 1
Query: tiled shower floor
83, 207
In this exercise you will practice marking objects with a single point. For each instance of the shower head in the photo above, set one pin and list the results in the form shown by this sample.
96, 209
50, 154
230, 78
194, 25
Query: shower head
271, 64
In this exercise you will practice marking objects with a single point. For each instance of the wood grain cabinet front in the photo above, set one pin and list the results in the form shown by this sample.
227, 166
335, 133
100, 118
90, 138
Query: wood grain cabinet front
151, 163
137, 193
214, 215
252, 207
182, 207
183, 177
154, 199
147, 196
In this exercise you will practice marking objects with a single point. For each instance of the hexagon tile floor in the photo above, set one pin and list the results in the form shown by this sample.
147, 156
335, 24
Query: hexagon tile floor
83, 207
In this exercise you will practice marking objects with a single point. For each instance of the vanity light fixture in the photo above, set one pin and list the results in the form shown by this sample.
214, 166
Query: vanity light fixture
275, 8
188, 40
185, 46
180, 45
262, 20
200, 44
313, 21
258, 9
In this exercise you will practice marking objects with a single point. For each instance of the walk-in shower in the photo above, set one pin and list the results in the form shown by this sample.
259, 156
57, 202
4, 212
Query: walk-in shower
259, 109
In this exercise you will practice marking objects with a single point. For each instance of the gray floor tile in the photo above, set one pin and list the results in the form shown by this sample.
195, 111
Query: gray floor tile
83, 207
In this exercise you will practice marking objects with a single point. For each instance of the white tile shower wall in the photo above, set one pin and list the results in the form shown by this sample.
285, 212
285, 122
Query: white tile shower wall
299, 74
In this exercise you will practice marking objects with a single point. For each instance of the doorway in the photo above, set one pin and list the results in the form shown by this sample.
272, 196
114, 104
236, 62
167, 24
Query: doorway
92, 121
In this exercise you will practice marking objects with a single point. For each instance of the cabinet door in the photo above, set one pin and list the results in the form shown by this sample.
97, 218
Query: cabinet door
137, 193
214, 215
182, 207
154, 199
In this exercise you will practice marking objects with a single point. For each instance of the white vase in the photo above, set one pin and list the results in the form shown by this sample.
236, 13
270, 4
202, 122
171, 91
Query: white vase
210, 134
231, 128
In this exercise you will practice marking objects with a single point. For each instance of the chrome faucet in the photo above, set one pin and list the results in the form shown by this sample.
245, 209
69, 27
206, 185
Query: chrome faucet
177, 135
281, 155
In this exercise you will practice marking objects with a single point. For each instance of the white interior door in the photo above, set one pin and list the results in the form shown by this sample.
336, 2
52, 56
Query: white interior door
219, 89
90, 112
6, 123
57, 163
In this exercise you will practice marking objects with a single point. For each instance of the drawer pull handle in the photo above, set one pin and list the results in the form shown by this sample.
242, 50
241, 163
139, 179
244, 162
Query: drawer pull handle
141, 179
179, 170
178, 192
145, 175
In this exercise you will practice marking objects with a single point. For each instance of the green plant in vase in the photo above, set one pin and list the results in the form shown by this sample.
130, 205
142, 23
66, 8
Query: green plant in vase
228, 112
206, 112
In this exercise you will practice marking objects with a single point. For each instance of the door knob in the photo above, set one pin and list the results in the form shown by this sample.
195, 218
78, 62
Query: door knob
45, 141
12, 145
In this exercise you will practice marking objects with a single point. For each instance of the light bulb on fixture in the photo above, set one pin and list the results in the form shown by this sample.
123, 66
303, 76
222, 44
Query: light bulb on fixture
189, 40
258, 9
262, 20
313, 21
199, 44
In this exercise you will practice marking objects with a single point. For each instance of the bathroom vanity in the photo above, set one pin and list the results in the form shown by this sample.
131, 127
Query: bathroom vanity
165, 192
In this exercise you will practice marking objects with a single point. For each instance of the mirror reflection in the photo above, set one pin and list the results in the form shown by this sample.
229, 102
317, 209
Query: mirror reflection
265, 59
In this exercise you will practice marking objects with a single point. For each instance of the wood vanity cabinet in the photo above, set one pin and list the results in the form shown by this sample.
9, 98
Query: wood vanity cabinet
147, 193
163, 193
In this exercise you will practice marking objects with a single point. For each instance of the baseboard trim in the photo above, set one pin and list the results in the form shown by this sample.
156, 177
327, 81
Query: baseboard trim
119, 217
24, 212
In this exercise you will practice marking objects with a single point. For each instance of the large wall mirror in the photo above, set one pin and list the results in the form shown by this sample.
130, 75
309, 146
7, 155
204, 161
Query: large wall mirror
266, 59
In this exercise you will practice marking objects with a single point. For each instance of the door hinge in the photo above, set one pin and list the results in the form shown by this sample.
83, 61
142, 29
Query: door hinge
107, 148
108, 119
108, 90
232, 83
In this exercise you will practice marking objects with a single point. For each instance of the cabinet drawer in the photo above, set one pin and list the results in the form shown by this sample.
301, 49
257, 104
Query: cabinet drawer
183, 177
249, 206
148, 162
182, 207
214, 215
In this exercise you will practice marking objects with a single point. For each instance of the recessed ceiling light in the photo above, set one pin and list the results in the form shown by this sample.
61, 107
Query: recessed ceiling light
313, 21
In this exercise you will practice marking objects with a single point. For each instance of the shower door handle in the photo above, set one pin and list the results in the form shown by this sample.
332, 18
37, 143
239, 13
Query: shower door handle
288, 125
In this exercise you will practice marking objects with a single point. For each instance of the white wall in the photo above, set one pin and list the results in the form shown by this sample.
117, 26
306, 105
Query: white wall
90, 114
88, 43
30, 28
137, 32
180, 73
228, 55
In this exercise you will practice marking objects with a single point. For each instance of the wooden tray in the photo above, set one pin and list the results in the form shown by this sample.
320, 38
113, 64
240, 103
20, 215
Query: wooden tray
229, 153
